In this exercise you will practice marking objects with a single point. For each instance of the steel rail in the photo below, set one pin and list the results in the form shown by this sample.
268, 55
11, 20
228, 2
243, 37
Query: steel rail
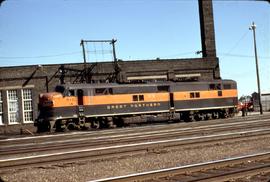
102, 135
127, 149
168, 173
131, 137
145, 127
108, 132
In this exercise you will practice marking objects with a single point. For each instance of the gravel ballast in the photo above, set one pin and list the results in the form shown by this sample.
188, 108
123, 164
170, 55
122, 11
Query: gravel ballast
90, 170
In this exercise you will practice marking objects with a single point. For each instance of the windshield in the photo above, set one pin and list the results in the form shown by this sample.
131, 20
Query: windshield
60, 88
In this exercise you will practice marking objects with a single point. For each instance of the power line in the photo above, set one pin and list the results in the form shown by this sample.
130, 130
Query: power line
178, 54
164, 56
237, 43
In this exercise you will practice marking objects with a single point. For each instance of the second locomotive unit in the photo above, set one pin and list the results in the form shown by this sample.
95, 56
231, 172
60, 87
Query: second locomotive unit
77, 106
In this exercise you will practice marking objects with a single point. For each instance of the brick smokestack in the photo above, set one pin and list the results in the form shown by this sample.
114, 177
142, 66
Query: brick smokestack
207, 28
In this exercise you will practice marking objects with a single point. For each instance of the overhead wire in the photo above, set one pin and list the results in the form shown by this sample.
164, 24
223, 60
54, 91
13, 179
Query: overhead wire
238, 42
179, 54
229, 53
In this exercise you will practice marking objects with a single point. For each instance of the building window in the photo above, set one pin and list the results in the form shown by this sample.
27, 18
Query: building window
1, 108
13, 107
27, 105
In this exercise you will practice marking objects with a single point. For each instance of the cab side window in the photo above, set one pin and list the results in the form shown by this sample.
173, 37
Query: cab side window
227, 86
194, 95
104, 91
138, 97
219, 93
71, 93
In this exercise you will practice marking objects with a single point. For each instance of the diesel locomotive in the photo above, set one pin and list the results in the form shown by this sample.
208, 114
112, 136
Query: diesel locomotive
78, 106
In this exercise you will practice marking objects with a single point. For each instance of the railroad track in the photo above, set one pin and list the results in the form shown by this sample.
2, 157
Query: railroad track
109, 139
221, 170
108, 144
74, 135
128, 149
125, 131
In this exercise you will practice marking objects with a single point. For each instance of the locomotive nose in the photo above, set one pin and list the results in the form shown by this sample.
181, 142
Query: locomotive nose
46, 99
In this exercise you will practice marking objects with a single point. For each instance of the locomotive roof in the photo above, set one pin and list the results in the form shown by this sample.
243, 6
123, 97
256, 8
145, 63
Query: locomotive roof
112, 85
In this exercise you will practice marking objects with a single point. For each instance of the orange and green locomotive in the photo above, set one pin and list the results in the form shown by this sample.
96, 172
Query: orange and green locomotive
77, 106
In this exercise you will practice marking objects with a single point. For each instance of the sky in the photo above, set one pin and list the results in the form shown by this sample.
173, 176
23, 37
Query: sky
34, 32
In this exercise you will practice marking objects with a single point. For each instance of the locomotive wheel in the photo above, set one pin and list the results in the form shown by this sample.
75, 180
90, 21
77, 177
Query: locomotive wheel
223, 114
71, 126
198, 117
59, 127
187, 117
103, 124
119, 122
111, 125
44, 127
95, 124
215, 115
207, 116
86, 126
231, 113
40, 129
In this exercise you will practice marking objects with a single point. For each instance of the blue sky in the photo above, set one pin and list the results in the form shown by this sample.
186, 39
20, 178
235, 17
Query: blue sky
48, 32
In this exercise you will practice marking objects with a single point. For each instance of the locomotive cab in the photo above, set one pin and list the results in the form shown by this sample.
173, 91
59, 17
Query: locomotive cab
64, 105
46, 104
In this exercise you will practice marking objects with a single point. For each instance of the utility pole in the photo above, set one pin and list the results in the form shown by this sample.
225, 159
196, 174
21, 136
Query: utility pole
253, 28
